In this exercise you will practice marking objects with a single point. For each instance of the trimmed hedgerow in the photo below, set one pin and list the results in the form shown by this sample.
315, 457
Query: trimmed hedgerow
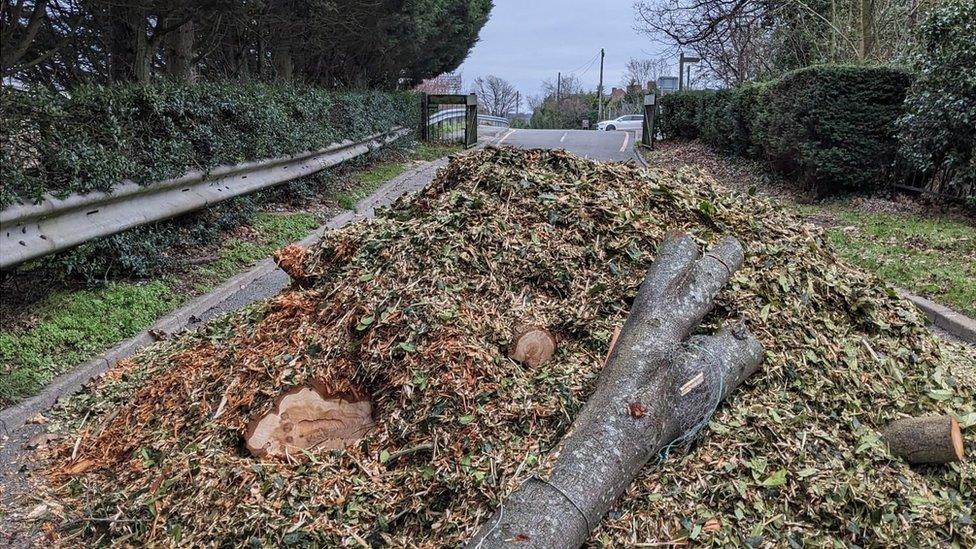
714, 118
830, 127
937, 133
95, 137
725, 119
679, 114
744, 110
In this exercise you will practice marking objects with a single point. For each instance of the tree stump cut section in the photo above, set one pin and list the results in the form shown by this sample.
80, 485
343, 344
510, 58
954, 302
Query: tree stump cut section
304, 418
532, 346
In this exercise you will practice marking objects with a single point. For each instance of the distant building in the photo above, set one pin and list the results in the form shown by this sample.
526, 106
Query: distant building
667, 84
446, 83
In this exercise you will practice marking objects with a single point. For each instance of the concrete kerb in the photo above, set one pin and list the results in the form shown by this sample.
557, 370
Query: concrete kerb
951, 321
640, 157
14, 417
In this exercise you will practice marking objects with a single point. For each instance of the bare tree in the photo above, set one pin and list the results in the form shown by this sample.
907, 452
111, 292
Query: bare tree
730, 36
642, 71
496, 96
568, 110
742, 40
565, 86
34, 31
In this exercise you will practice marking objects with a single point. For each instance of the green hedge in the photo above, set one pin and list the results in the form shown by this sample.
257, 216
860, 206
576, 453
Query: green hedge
96, 137
830, 127
833, 127
681, 114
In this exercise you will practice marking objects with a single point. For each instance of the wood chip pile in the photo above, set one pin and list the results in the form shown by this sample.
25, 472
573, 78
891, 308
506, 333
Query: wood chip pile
417, 309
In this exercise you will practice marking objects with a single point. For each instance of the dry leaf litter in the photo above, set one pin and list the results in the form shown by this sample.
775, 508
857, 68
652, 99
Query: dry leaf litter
417, 308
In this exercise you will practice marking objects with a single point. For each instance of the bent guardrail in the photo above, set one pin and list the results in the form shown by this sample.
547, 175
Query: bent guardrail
28, 231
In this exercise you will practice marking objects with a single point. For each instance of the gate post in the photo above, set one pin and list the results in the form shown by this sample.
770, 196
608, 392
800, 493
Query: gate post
471, 121
424, 118
650, 107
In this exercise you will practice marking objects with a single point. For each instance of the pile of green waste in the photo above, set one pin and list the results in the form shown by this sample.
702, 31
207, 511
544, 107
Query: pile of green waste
416, 309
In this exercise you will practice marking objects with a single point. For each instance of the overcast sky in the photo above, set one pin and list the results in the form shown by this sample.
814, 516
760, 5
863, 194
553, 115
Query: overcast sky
527, 41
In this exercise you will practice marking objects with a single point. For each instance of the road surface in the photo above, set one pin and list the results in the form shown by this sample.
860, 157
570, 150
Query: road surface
598, 145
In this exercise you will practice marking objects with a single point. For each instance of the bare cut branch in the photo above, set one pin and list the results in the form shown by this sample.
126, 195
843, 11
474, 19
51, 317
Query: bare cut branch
657, 390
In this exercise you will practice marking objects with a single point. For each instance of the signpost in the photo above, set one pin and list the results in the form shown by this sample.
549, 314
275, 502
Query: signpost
471, 121
650, 108
682, 59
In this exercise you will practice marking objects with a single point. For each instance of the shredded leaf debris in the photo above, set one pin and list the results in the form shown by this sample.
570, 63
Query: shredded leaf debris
417, 308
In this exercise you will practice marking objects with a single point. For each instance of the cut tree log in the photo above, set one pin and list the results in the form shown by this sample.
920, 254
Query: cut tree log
306, 417
658, 388
926, 439
532, 346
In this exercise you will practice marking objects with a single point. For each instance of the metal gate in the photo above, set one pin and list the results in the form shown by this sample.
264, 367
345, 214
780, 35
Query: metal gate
449, 118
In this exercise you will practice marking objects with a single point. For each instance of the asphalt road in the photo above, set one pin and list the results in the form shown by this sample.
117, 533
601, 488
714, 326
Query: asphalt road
598, 145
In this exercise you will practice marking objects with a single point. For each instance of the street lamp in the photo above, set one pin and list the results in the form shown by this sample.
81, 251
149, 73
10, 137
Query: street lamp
681, 69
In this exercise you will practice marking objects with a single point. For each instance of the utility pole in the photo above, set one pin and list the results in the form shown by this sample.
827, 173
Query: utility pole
518, 99
599, 90
559, 85
681, 71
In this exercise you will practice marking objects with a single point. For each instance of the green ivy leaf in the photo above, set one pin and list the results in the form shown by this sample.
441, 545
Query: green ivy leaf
776, 479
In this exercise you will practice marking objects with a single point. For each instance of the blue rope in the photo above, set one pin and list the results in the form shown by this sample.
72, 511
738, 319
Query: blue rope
691, 433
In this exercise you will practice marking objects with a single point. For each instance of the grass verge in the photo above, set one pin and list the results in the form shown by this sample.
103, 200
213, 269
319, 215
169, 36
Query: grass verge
930, 256
913, 245
72, 325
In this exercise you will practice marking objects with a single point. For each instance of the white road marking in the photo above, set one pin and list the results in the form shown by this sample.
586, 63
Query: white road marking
563, 138
504, 137
623, 147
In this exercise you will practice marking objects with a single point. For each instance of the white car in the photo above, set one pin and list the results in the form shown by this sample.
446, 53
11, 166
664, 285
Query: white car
625, 122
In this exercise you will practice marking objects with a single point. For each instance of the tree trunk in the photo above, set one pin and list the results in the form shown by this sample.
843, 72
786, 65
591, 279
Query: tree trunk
284, 65
656, 391
14, 44
129, 48
927, 439
867, 29
179, 53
